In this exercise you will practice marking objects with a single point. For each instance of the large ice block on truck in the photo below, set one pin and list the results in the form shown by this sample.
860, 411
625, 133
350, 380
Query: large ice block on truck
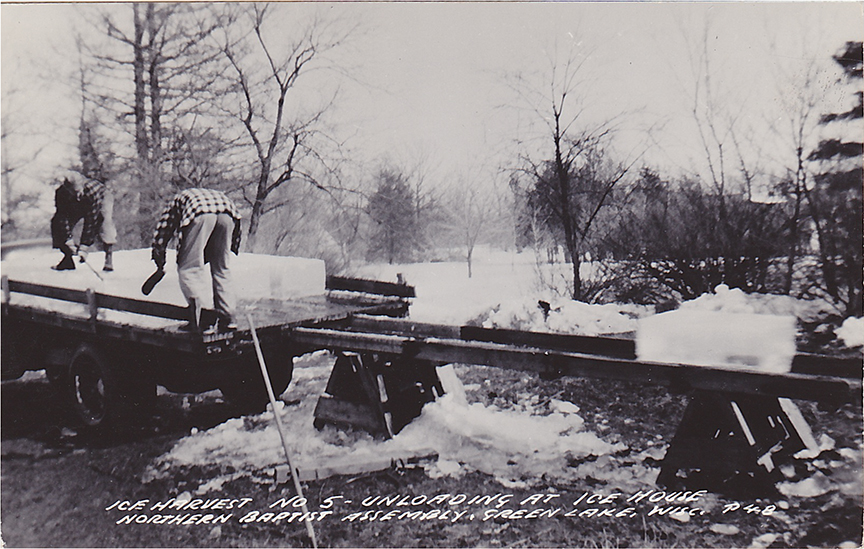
255, 276
711, 338
278, 277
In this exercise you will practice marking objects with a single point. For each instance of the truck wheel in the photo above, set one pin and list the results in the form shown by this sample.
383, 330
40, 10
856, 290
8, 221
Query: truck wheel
92, 385
100, 398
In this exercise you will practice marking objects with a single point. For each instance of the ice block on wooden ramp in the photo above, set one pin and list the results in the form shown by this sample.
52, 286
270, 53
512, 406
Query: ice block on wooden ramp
711, 338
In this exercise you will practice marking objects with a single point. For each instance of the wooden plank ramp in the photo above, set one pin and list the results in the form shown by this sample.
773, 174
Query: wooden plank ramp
566, 363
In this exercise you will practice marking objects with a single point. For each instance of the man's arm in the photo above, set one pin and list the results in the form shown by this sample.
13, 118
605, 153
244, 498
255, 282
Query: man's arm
165, 229
235, 238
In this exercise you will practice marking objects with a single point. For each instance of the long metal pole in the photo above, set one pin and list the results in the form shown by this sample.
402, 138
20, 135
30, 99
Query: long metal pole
94, 271
272, 397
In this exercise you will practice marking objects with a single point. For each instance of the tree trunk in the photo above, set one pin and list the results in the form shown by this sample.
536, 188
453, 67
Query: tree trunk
577, 279
141, 144
260, 197
792, 254
254, 222
155, 95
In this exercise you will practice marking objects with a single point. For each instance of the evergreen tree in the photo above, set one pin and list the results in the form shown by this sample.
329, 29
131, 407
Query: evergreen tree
391, 209
835, 202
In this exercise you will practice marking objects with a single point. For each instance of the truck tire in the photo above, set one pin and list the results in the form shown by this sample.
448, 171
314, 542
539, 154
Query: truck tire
100, 398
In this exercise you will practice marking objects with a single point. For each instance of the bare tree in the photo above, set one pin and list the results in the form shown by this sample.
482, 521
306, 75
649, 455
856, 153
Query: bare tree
800, 93
470, 207
16, 197
572, 175
151, 68
290, 142
720, 124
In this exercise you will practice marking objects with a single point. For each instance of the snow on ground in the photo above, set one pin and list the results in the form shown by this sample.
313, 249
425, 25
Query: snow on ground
518, 446
504, 292
446, 295
564, 316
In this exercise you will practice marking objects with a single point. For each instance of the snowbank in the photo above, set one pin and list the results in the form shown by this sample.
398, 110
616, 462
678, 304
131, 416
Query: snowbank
563, 316
735, 301
446, 295
504, 292
515, 446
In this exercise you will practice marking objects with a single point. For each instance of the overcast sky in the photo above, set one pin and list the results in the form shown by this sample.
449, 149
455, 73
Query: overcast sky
433, 71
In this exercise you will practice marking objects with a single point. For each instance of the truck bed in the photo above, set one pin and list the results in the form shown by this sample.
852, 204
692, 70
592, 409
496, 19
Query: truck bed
278, 293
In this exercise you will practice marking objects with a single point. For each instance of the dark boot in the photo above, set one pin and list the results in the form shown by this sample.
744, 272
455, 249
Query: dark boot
109, 259
67, 263
195, 313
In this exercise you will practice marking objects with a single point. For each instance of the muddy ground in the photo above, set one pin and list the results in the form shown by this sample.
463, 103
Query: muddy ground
57, 483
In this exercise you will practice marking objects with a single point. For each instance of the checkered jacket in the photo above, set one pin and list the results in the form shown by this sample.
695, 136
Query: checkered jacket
72, 206
186, 206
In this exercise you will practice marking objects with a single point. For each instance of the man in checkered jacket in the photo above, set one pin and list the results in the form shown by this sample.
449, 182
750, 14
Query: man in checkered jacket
80, 198
207, 225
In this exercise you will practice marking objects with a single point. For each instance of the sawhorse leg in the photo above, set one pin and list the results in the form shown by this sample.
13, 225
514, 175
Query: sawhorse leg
379, 395
729, 443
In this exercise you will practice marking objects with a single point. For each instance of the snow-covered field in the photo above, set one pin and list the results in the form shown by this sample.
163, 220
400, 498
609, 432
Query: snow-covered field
505, 287
518, 445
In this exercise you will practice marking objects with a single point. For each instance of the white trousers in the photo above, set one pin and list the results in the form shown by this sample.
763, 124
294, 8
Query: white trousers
207, 239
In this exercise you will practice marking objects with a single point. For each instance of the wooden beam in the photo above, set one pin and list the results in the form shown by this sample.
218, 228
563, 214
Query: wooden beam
369, 286
402, 327
51, 292
92, 305
592, 345
117, 303
616, 347
680, 376
351, 465
141, 307
806, 363
180, 341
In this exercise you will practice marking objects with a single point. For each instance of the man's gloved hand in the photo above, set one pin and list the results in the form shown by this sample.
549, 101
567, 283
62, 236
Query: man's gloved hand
82, 253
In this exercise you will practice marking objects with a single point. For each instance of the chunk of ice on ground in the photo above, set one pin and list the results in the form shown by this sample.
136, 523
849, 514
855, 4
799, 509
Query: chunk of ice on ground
852, 332
811, 487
